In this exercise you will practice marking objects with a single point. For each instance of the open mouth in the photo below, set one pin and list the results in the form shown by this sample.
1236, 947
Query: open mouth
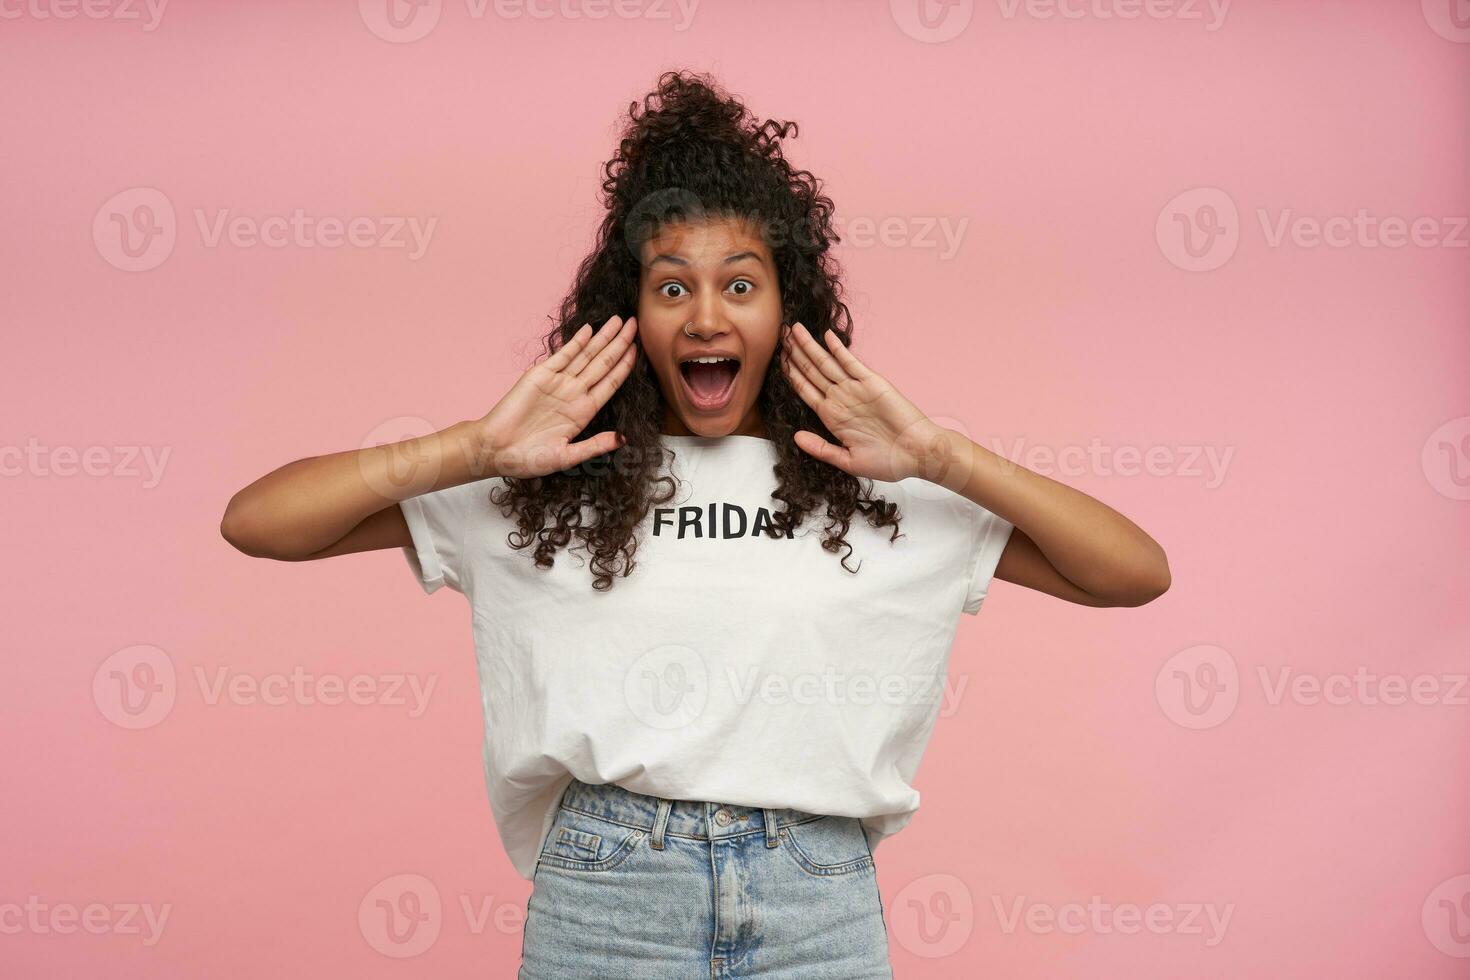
710, 381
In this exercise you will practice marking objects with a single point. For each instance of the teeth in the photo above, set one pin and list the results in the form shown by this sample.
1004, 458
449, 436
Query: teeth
708, 360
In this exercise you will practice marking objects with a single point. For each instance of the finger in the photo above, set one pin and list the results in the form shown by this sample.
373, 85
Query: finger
580, 452
607, 358
808, 391
819, 448
564, 354
855, 368
799, 360
609, 341
808, 345
604, 389
610, 328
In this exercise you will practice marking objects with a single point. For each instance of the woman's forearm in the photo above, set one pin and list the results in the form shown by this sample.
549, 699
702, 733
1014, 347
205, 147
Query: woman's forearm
1093, 546
310, 504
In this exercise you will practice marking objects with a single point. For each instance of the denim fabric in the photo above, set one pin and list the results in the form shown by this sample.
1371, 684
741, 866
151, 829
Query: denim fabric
629, 885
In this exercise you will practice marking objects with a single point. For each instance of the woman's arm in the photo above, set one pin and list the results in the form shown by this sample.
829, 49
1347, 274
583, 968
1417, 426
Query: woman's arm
1065, 543
347, 502
305, 508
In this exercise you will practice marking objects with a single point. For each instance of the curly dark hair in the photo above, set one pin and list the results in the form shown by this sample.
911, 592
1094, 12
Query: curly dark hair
693, 153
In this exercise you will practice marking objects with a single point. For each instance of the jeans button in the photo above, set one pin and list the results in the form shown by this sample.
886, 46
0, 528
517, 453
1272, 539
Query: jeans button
722, 817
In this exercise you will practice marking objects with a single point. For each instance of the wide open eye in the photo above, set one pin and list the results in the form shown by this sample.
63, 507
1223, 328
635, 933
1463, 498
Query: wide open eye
745, 282
676, 285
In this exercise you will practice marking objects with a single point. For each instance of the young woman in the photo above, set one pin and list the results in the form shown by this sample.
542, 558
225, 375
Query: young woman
693, 754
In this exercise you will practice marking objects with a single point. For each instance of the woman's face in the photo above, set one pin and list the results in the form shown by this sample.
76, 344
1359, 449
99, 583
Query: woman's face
719, 277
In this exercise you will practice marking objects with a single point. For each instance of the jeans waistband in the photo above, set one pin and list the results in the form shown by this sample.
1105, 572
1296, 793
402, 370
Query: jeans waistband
661, 817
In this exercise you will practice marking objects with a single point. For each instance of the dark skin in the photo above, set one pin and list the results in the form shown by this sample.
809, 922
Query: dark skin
720, 277
1065, 543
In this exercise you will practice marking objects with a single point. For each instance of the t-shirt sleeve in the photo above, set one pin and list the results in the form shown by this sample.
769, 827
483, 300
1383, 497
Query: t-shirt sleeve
437, 522
989, 534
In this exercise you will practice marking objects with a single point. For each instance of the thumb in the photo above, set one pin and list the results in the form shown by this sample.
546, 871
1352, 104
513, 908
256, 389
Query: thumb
604, 442
817, 447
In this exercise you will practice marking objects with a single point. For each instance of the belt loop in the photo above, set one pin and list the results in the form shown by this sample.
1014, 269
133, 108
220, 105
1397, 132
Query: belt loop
660, 821
772, 840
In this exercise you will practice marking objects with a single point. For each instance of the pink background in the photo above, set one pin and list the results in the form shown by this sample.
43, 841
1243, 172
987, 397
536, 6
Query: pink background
1332, 379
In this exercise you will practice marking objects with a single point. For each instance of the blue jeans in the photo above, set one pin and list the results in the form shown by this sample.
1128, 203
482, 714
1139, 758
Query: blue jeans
629, 885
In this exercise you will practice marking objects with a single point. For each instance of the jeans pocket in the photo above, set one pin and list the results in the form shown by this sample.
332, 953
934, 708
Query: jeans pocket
578, 841
828, 846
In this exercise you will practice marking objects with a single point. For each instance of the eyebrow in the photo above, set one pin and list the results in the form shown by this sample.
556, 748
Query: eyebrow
675, 260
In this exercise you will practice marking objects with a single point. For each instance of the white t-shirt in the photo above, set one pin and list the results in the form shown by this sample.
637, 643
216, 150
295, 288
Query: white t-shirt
728, 667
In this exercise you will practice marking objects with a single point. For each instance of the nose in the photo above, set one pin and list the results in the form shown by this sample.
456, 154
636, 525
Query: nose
707, 321
693, 330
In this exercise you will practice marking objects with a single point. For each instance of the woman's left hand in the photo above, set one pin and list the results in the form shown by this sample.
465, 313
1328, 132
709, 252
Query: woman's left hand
884, 436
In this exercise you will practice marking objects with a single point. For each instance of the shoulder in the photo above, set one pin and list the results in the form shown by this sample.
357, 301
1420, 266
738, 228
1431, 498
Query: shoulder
931, 506
922, 500
463, 502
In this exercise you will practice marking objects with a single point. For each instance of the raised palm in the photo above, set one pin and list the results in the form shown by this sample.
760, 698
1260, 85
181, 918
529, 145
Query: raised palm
883, 435
530, 430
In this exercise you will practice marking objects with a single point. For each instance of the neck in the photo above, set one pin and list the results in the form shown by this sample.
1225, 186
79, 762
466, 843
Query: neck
751, 425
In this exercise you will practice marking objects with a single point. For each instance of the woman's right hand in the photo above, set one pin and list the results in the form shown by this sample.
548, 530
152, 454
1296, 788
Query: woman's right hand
341, 502
529, 432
